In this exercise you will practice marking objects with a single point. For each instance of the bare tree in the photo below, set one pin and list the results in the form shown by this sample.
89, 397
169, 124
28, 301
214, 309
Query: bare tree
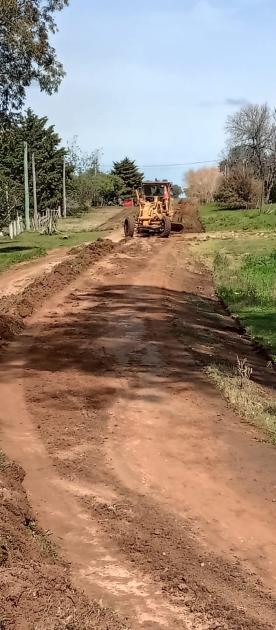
252, 134
202, 184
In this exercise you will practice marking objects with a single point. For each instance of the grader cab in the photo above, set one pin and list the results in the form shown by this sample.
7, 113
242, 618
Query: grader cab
155, 211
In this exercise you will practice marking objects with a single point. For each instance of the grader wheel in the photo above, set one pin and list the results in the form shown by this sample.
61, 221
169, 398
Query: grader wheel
166, 227
129, 227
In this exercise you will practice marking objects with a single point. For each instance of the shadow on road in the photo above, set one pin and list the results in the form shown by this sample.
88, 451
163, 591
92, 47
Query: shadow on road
137, 330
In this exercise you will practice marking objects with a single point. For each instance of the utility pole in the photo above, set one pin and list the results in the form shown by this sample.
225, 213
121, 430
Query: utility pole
26, 186
34, 192
95, 173
64, 189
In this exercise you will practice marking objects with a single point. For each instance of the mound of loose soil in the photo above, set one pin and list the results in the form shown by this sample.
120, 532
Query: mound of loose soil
35, 590
13, 310
10, 326
186, 212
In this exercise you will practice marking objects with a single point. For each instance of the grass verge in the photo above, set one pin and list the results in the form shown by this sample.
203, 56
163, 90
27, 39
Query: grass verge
216, 219
250, 401
244, 273
30, 245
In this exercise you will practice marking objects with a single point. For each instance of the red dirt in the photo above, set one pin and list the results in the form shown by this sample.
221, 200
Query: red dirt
162, 500
187, 213
14, 309
35, 587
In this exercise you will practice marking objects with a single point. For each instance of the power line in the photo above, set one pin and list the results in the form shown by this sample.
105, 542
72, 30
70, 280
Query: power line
170, 165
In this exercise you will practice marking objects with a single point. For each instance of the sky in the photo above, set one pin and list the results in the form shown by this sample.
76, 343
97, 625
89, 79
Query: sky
155, 80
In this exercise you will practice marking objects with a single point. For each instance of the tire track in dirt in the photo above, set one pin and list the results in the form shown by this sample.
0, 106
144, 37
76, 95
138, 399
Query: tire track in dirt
112, 381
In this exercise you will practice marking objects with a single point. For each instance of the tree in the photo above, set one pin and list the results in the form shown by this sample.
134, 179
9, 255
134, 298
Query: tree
235, 156
130, 174
176, 191
82, 161
25, 50
202, 184
97, 189
44, 142
252, 133
11, 199
238, 190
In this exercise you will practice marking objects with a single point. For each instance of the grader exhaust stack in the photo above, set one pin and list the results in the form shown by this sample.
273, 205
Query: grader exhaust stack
156, 214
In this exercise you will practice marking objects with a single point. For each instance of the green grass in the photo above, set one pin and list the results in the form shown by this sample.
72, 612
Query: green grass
216, 219
73, 231
30, 245
248, 286
240, 245
245, 278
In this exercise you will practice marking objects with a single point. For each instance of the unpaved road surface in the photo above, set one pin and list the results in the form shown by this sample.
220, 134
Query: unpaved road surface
162, 500
19, 276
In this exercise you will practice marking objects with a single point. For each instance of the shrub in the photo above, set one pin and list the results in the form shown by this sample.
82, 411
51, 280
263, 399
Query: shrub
239, 189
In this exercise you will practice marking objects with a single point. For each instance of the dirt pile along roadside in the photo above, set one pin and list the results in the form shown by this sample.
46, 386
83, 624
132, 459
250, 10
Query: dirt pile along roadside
187, 213
14, 309
35, 589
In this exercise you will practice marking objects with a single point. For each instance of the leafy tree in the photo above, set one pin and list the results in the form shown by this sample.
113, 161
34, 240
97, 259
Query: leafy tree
44, 142
25, 50
128, 171
98, 189
238, 190
176, 191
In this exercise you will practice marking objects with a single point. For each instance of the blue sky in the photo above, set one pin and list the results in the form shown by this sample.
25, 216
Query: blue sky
156, 79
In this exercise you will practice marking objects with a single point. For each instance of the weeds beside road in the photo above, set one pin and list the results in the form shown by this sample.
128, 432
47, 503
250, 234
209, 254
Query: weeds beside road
243, 263
246, 398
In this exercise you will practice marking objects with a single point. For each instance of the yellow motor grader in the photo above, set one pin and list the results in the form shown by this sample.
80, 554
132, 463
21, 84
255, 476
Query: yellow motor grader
156, 215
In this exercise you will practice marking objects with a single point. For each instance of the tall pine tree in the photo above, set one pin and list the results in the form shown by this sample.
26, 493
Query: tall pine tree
44, 142
128, 171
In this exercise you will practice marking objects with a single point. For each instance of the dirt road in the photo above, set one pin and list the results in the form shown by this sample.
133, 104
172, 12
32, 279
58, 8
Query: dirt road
163, 501
19, 276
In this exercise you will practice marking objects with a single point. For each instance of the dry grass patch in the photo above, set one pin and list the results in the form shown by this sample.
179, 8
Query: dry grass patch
246, 397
